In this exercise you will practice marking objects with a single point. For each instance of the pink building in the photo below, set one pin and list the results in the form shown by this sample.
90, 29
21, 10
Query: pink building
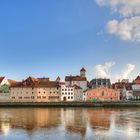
102, 93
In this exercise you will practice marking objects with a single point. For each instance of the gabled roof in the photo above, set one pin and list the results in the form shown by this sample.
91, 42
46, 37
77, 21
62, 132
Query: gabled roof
83, 69
75, 78
12, 82
1, 79
137, 80
77, 87
36, 82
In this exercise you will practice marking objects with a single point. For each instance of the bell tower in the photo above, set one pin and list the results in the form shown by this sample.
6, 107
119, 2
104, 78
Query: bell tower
83, 72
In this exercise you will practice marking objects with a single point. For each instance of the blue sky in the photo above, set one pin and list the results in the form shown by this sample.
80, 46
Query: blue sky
58, 37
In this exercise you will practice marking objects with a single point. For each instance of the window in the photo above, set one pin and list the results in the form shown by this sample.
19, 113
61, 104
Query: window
71, 89
68, 93
39, 97
68, 97
102, 93
44, 92
71, 97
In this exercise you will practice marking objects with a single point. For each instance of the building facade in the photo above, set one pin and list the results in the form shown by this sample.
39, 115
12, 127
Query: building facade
35, 90
101, 93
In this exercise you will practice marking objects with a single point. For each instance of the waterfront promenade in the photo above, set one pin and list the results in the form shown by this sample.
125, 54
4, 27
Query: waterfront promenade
72, 104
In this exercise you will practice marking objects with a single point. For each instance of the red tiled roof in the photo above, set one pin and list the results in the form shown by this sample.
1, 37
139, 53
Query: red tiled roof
121, 85
12, 82
1, 79
36, 82
137, 80
77, 87
75, 78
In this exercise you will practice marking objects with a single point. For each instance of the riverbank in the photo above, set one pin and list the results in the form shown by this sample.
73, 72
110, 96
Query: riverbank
73, 104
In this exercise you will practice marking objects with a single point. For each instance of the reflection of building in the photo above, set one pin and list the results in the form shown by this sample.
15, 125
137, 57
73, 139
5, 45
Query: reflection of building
80, 81
100, 118
102, 93
35, 90
30, 119
74, 120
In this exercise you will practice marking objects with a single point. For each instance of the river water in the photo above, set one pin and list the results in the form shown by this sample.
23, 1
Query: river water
69, 124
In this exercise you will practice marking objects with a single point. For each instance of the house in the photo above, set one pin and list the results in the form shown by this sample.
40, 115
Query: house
79, 80
125, 89
35, 90
102, 93
71, 93
136, 88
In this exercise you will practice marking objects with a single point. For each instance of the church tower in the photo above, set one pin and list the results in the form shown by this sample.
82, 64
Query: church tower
83, 72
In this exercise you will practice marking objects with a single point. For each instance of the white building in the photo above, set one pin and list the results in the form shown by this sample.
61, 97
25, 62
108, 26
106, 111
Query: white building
80, 81
67, 93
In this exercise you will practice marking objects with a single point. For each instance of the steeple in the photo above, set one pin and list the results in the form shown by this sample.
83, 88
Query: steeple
83, 72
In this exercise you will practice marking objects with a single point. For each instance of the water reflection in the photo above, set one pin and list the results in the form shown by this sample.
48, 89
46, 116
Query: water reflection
69, 123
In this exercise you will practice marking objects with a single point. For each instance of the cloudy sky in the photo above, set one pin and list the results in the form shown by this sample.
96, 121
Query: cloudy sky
51, 38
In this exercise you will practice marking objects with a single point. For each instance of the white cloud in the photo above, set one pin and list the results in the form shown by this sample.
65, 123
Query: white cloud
123, 7
127, 29
102, 70
129, 68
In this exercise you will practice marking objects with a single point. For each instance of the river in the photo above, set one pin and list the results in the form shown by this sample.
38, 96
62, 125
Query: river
69, 124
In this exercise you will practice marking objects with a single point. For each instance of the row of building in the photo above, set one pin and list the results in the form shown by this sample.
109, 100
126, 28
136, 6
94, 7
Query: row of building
74, 88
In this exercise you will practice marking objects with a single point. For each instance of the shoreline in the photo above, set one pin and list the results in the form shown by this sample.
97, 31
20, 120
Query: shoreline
71, 104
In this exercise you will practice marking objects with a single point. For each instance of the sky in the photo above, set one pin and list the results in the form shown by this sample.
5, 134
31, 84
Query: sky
47, 38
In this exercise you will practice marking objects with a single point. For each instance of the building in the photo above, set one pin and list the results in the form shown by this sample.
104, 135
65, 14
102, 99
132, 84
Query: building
99, 82
79, 80
67, 93
125, 89
35, 90
136, 88
102, 93
71, 93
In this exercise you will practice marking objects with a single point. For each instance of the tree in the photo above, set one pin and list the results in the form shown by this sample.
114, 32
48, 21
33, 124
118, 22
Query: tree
4, 89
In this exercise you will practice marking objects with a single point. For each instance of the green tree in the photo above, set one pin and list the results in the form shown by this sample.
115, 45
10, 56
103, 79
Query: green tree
4, 89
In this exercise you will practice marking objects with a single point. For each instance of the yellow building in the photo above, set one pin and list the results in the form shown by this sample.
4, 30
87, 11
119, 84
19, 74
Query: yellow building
36, 90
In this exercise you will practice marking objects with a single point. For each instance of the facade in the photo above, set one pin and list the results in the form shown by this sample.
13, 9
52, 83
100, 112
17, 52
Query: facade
71, 93
35, 90
99, 83
102, 93
136, 88
125, 89
67, 93
80, 81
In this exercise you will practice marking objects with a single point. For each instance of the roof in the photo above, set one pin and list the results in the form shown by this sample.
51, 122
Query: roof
36, 82
1, 79
121, 85
77, 87
12, 82
75, 78
137, 80
83, 69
